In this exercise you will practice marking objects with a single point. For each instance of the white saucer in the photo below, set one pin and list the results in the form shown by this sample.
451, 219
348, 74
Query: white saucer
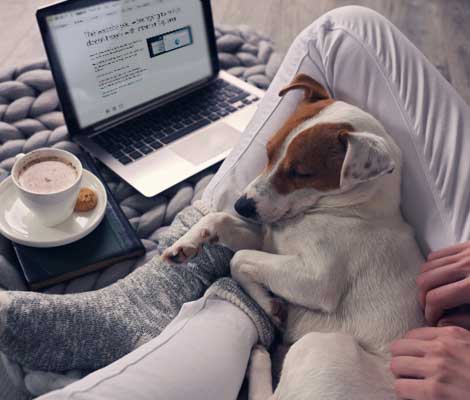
20, 225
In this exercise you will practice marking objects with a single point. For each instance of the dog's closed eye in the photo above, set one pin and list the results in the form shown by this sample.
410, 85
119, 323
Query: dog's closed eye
297, 173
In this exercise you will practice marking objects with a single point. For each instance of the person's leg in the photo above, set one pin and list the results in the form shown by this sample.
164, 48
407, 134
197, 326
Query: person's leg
92, 329
201, 355
364, 60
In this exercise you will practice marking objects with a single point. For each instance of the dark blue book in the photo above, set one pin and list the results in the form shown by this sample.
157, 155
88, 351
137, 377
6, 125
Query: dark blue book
113, 240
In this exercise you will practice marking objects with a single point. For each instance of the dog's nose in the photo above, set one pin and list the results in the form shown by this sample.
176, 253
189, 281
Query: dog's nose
246, 207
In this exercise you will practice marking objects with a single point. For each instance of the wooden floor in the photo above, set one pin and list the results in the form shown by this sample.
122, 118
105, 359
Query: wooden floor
440, 28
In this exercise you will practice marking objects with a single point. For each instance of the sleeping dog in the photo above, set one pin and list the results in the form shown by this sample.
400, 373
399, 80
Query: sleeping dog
330, 241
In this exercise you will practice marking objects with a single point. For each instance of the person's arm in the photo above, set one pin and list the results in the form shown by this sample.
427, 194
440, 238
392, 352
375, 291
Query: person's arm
434, 362
444, 284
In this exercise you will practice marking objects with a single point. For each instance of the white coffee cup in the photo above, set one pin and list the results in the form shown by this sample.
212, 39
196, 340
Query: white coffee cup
50, 208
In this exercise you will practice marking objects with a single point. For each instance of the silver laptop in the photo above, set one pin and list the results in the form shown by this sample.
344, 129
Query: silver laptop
140, 86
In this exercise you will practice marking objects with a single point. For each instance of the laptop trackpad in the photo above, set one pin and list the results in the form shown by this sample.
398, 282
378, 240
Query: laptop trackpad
206, 144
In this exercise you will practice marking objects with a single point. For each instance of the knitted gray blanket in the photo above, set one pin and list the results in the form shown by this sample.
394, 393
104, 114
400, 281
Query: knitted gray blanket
30, 117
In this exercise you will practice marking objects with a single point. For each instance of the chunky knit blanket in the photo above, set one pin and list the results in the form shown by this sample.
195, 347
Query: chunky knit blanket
30, 117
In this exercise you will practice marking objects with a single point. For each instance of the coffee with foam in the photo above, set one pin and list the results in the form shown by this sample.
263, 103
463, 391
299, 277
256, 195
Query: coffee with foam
47, 175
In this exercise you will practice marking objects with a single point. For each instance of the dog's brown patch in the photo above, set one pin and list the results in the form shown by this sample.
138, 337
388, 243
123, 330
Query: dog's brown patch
304, 111
315, 156
316, 98
313, 159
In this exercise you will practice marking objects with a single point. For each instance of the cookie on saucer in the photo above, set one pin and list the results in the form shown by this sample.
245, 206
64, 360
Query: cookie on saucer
86, 200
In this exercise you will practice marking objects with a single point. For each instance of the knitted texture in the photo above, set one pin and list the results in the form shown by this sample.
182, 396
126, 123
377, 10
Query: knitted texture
31, 117
92, 329
228, 289
247, 54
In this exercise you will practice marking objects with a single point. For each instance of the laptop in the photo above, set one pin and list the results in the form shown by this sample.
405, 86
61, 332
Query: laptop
141, 89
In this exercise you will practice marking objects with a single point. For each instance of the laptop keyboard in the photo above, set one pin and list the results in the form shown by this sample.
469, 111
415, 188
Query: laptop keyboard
143, 135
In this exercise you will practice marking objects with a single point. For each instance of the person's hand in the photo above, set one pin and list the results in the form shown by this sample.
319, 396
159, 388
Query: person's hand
444, 284
432, 364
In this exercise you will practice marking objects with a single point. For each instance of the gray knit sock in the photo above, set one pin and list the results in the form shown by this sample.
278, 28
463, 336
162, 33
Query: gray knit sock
90, 330
230, 290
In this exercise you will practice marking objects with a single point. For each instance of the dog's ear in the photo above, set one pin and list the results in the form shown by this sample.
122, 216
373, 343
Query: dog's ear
367, 157
313, 90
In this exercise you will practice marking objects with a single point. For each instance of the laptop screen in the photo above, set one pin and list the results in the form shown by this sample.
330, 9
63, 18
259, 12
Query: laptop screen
116, 55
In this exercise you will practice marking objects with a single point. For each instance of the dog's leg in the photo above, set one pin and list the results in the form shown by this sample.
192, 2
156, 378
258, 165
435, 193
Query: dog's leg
290, 278
334, 366
243, 267
259, 375
220, 227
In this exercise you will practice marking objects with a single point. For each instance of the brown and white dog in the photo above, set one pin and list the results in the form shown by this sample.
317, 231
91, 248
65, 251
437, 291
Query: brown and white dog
331, 242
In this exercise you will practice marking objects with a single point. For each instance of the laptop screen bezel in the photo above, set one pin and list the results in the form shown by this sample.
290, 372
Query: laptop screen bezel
68, 109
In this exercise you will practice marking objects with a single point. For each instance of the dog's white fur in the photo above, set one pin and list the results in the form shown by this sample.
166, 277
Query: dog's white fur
344, 261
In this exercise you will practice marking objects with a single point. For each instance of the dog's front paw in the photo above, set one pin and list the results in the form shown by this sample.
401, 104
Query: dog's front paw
179, 253
189, 245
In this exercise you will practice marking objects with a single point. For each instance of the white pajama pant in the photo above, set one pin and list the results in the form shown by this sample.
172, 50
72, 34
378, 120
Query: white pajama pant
361, 58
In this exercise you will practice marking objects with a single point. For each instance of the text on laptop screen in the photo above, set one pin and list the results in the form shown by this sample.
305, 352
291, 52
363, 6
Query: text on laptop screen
119, 54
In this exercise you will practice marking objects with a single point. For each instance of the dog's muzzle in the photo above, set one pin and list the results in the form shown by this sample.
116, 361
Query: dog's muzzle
246, 207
